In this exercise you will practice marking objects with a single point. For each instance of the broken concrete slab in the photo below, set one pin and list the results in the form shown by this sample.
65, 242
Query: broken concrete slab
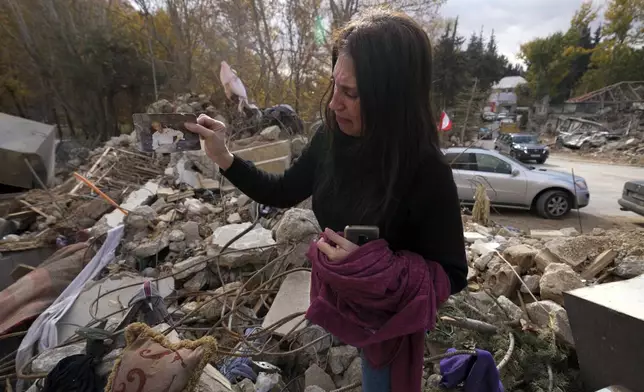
513, 311
472, 236
575, 250
135, 199
501, 279
315, 375
521, 256
293, 297
546, 234
540, 313
341, 357
569, 232
176, 236
234, 218
630, 267
531, 284
482, 262
557, 279
141, 218
599, 264
186, 268
116, 290
151, 246
191, 231
545, 258
195, 208
177, 247
252, 248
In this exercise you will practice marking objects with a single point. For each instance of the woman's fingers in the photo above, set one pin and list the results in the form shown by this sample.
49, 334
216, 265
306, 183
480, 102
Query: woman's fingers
340, 241
210, 123
333, 253
199, 130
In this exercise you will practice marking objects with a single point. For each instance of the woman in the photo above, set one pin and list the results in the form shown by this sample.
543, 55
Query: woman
376, 160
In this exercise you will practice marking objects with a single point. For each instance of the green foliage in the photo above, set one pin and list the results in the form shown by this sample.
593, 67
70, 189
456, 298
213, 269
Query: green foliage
456, 68
563, 65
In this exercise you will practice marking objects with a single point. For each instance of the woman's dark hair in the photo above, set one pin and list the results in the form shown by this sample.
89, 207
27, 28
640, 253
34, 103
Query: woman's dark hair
392, 57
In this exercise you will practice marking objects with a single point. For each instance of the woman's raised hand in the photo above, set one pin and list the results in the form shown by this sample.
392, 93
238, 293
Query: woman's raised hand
213, 134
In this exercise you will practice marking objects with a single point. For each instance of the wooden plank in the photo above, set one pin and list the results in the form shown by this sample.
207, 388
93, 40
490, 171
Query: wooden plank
34, 209
90, 172
602, 261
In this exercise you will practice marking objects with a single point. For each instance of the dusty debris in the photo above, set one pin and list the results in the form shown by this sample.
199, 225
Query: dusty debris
221, 275
557, 279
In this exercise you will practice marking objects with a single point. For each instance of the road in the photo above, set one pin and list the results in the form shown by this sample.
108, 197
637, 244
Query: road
605, 183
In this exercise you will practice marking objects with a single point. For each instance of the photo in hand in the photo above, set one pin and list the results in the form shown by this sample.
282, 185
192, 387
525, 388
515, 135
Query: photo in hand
165, 133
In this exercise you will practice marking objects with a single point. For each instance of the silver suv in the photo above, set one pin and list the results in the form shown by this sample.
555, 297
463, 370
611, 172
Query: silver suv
512, 184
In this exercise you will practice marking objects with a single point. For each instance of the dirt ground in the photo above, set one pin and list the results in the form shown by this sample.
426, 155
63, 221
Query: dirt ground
527, 221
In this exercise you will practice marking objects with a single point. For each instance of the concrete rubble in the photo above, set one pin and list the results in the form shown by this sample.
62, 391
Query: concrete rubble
228, 267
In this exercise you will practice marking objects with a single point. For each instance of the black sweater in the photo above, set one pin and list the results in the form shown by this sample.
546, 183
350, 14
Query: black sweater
427, 221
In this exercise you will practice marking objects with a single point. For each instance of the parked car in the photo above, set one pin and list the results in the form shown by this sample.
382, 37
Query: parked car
485, 133
633, 197
502, 115
488, 116
522, 146
513, 184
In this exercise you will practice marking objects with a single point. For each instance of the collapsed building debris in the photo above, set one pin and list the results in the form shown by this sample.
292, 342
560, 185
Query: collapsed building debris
198, 258
608, 124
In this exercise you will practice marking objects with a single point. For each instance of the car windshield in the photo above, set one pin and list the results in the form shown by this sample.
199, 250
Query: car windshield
525, 139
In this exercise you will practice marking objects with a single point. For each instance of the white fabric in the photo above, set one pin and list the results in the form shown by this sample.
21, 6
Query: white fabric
233, 85
43, 330
165, 138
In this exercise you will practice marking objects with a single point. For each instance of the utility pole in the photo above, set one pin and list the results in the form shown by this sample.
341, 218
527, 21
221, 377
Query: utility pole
467, 112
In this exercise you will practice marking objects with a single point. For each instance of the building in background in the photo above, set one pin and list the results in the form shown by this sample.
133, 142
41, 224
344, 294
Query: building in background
503, 98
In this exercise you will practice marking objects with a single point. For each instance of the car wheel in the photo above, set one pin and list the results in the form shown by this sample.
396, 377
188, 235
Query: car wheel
554, 204
540, 161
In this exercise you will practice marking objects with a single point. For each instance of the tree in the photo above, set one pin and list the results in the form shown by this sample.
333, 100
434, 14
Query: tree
450, 65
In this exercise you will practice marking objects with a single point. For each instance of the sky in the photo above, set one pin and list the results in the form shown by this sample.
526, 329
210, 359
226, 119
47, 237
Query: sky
513, 21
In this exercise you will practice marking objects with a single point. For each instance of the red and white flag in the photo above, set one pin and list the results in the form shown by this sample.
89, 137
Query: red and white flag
446, 123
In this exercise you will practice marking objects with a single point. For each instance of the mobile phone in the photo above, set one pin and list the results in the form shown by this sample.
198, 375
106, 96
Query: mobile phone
360, 235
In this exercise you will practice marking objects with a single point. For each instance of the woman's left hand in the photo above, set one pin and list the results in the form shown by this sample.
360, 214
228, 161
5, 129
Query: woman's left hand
341, 249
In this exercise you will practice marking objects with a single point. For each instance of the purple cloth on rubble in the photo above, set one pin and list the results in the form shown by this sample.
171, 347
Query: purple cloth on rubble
478, 372
235, 368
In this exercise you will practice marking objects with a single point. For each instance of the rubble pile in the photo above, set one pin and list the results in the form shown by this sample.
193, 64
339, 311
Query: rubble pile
629, 151
245, 124
211, 262
616, 139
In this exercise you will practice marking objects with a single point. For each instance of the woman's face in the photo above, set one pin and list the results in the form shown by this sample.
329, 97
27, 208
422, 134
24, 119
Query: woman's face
346, 101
